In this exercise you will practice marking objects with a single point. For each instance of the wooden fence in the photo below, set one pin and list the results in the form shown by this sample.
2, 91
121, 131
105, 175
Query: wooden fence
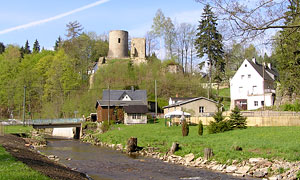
254, 118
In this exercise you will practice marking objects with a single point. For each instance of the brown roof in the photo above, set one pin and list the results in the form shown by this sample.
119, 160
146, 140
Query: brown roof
136, 109
259, 68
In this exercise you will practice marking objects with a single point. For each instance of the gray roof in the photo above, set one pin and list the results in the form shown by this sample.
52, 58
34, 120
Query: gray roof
140, 95
259, 69
188, 101
119, 103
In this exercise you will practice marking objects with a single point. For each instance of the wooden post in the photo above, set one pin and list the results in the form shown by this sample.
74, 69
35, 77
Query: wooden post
208, 153
174, 147
132, 144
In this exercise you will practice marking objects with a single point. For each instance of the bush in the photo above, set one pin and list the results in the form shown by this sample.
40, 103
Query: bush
185, 128
218, 127
200, 128
291, 107
237, 121
104, 126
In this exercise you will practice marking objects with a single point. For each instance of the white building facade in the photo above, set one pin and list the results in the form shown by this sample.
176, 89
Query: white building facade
253, 86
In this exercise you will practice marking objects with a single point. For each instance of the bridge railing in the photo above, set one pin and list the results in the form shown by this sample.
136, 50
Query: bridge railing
55, 121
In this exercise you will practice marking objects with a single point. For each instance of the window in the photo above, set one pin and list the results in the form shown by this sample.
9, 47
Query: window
255, 103
262, 103
245, 65
249, 75
119, 40
240, 89
201, 109
242, 76
136, 116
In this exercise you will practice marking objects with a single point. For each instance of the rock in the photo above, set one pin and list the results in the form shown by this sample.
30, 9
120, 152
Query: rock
256, 160
231, 169
27, 145
189, 157
258, 174
243, 170
238, 175
51, 157
221, 167
273, 178
68, 159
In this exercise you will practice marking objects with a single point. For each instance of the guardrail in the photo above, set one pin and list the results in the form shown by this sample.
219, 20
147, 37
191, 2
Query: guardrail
55, 121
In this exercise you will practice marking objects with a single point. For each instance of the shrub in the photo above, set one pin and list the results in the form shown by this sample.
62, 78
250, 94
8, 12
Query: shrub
200, 128
237, 121
104, 126
218, 127
185, 128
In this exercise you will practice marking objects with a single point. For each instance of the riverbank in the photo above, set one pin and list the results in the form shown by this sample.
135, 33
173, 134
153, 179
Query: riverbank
48, 169
257, 151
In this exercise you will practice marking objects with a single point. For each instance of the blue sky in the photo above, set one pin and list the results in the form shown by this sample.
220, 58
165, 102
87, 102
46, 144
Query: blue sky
135, 16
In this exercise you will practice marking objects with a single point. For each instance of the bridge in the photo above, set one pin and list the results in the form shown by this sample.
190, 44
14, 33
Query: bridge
55, 123
61, 127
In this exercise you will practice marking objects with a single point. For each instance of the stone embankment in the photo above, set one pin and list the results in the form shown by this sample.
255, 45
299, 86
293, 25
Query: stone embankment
253, 167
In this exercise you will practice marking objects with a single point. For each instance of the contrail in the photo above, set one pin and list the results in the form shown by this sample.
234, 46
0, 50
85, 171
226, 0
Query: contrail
35, 23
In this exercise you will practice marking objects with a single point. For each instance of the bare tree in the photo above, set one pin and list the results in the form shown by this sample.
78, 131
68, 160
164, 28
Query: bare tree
151, 42
249, 21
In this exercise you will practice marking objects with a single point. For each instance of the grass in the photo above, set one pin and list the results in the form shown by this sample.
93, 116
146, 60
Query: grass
266, 142
12, 169
16, 129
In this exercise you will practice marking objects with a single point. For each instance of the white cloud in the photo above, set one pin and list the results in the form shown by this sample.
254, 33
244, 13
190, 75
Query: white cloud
35, 23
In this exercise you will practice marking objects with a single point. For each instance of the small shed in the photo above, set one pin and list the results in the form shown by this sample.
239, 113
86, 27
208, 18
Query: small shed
135, 114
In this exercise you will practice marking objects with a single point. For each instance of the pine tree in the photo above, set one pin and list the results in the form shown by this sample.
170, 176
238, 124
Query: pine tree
2, 48
237, 120
27, 48
22, 52
57, 43
36, 47
209, 42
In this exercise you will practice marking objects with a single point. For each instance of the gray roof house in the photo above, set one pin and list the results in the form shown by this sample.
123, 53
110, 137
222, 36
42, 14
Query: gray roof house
132, 103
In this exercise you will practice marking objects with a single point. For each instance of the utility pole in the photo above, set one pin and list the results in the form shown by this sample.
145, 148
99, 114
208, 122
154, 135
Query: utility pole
155, 101
108, 103
263, 68
24, 104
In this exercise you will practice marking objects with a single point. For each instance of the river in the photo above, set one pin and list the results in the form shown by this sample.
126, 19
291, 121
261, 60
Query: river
102, 163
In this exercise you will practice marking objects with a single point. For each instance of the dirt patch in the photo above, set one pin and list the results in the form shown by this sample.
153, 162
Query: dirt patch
16, 147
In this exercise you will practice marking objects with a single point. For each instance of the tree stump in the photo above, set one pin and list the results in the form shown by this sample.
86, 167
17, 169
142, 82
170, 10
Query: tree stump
208, 153
174, 147
132, 144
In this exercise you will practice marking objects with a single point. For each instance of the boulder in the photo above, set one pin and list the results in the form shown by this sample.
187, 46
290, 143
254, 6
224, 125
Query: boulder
256, 160
189, 157
231, 169
243, 170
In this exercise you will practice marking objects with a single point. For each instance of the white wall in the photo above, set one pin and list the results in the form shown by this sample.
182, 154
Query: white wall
63, 132
251, 99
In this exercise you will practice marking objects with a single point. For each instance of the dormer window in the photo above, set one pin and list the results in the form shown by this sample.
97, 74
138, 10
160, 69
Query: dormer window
245, 65
126, 98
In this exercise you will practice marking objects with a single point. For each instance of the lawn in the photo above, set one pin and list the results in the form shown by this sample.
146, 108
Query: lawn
12, 169
266, 142
16, 129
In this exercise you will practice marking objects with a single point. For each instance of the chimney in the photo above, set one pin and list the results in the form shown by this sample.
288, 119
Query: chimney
254, 60
269, 65
132, 88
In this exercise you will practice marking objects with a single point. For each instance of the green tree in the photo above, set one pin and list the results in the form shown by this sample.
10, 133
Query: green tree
27, 48
2, 48
200, 129
209, 42
57, 43
236, 120
36, 47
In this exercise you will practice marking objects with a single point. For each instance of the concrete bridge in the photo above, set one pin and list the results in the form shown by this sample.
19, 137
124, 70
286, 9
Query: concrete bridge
67, 128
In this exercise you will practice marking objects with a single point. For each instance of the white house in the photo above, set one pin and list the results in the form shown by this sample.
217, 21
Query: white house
253, 86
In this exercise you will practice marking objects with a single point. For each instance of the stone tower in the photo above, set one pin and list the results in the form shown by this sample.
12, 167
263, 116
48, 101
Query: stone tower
118, 44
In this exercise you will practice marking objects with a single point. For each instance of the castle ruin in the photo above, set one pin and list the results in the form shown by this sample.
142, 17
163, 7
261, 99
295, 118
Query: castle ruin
118, 47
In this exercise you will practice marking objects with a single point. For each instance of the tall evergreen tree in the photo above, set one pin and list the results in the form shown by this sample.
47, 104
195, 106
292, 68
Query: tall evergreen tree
27, 48
209, 43
36, 47
287, 52
2, 48
57, 43
22, 52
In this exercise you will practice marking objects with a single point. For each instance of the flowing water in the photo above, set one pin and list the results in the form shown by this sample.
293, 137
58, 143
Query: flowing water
102, 163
